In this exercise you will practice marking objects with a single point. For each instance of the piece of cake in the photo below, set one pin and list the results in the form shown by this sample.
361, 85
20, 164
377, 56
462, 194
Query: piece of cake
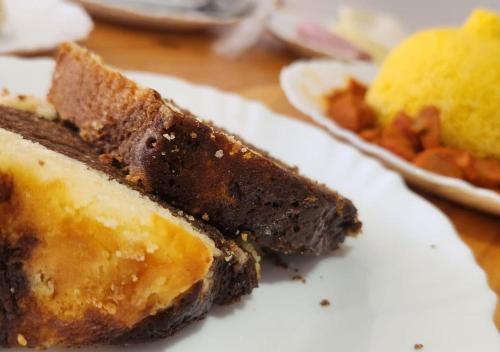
201, 169
85, 259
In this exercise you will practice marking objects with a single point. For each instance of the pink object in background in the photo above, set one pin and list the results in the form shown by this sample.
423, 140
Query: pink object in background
318, 36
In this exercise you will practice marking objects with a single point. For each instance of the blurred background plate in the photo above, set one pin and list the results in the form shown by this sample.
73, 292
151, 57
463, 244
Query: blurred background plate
306, 83
34, 26
171, 14
414, 15
283, 26
396, 17
350, 34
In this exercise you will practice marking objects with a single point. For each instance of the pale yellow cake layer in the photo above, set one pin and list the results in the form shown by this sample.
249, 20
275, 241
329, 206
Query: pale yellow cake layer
101, 246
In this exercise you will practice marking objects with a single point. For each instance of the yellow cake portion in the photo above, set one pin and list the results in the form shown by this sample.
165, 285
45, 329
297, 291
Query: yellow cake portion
36, 105
454, 69
102, 255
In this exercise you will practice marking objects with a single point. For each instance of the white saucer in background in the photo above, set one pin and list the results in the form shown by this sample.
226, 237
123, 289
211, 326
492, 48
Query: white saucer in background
160, 15
33, 26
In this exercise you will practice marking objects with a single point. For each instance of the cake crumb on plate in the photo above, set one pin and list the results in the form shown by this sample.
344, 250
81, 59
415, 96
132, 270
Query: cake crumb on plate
299, 278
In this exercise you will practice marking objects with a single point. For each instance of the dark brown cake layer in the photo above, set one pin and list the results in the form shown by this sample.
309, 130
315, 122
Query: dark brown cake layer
199, 168
233, 273
14, 285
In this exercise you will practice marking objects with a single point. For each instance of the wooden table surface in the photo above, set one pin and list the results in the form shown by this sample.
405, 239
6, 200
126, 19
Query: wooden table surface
255, 75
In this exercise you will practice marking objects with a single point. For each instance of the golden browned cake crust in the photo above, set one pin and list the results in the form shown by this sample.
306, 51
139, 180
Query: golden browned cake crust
194, 165
85, 259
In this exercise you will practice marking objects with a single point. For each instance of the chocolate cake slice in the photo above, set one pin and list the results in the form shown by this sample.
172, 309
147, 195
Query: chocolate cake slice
201, 169
85, 259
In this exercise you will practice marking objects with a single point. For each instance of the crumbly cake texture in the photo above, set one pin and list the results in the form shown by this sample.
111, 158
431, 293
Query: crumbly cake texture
194, 165
28, 103
85, 259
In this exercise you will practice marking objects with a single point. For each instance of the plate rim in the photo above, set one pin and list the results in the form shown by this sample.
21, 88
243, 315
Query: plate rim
125, 14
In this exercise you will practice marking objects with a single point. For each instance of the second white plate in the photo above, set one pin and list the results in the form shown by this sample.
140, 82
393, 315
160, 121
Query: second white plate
154, 14
306, 82
34, 26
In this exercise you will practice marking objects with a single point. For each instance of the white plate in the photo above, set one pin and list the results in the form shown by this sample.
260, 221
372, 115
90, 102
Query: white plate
306, 82
389, 288
160, 16
33, 25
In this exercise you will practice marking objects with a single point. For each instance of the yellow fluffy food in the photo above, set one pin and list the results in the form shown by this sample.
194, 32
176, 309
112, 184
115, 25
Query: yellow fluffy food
456, 70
